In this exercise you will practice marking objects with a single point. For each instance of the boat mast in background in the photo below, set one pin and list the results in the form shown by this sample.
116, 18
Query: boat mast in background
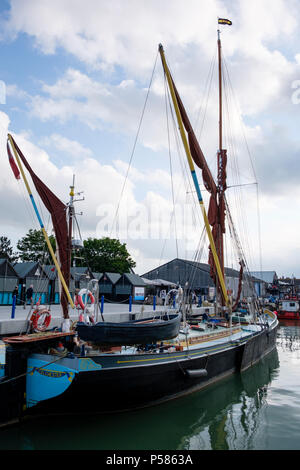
76, 244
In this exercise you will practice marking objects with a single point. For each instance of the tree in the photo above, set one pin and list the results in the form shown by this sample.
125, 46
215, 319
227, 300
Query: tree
6, 250
33, 247
107, 255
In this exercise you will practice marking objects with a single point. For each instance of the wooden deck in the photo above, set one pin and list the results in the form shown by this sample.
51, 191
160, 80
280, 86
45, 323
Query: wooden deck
35, 337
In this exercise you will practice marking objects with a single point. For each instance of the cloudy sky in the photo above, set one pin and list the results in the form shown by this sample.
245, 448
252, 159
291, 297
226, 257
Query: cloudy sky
74, 85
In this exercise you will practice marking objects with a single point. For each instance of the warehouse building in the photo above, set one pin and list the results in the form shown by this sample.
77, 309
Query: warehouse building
197, 276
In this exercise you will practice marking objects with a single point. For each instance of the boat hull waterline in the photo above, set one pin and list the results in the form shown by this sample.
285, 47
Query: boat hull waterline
285, 315
119, 382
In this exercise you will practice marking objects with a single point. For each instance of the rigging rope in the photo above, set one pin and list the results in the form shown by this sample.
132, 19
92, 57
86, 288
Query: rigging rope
251, 162
187, 184
135, 142
171, 172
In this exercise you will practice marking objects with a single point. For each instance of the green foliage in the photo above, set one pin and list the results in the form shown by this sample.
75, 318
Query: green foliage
6, 250
107, 255
101, 255
33, 247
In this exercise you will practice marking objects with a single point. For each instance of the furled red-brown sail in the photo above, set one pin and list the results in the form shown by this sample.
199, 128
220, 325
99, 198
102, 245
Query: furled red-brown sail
216, 210
57, 210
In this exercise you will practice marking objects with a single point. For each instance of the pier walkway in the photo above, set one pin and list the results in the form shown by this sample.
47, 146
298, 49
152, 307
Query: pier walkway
111, 312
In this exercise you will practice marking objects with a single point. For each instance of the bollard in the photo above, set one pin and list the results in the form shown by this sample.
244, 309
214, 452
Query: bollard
130, 303
13, 306
102, 304
154, 302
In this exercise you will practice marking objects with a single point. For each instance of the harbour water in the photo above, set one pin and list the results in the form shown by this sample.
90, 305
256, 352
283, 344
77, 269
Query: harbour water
257, 410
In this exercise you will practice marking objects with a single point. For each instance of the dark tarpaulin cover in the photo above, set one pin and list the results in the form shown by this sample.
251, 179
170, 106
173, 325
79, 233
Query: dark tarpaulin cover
58, 213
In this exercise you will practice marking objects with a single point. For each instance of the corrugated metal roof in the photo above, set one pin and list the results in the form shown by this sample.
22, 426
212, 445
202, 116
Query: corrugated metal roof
77, 272
195, 264
113, 277
267, 276
79, 269
26, 268
8, 270
204, 266
158, 282
50, 271
97, 275
230, 272
134, 279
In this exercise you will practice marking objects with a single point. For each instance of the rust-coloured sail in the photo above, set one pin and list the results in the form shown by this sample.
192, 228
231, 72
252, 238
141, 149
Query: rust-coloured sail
57, 210
216, 210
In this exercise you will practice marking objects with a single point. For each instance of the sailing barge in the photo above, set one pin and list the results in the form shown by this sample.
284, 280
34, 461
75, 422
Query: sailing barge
61, 373
92, 383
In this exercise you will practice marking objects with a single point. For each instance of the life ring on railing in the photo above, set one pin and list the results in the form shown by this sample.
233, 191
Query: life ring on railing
78, 298
43, 314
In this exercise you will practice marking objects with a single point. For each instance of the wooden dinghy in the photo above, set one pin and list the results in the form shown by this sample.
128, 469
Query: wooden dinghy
147, 331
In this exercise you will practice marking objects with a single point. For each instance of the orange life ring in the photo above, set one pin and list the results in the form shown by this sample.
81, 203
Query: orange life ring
36, 316
78, 298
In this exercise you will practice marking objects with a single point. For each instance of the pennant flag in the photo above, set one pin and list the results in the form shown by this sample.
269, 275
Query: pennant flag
12, 162
224, 21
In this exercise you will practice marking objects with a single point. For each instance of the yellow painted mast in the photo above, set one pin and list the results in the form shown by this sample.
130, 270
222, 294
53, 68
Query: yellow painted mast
194, 176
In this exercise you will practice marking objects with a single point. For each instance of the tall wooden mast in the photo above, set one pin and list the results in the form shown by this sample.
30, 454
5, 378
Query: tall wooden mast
220, 91
221, 151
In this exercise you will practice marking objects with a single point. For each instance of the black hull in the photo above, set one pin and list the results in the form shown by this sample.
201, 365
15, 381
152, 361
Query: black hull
130, 333
127, 388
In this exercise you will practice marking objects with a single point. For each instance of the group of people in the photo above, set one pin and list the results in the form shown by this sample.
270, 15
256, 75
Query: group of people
28, 295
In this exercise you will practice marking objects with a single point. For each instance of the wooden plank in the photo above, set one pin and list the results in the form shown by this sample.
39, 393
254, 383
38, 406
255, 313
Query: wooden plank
35, 337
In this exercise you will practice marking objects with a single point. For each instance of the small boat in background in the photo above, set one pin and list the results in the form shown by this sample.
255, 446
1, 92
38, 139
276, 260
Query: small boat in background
289, 309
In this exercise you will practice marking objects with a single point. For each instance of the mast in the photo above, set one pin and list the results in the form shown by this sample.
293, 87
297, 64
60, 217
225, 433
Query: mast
220, 241
71, 215
222, 161
194, 176
220, 90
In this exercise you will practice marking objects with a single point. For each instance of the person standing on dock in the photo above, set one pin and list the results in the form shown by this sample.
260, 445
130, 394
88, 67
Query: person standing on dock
29, 294
15, 292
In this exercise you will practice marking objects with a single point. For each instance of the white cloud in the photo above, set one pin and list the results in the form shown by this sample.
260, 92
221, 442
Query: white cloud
69, 147
100, 33
102, 186
119, 40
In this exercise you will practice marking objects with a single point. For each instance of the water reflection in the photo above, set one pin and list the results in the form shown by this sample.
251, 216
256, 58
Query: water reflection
235, 409
288, 337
